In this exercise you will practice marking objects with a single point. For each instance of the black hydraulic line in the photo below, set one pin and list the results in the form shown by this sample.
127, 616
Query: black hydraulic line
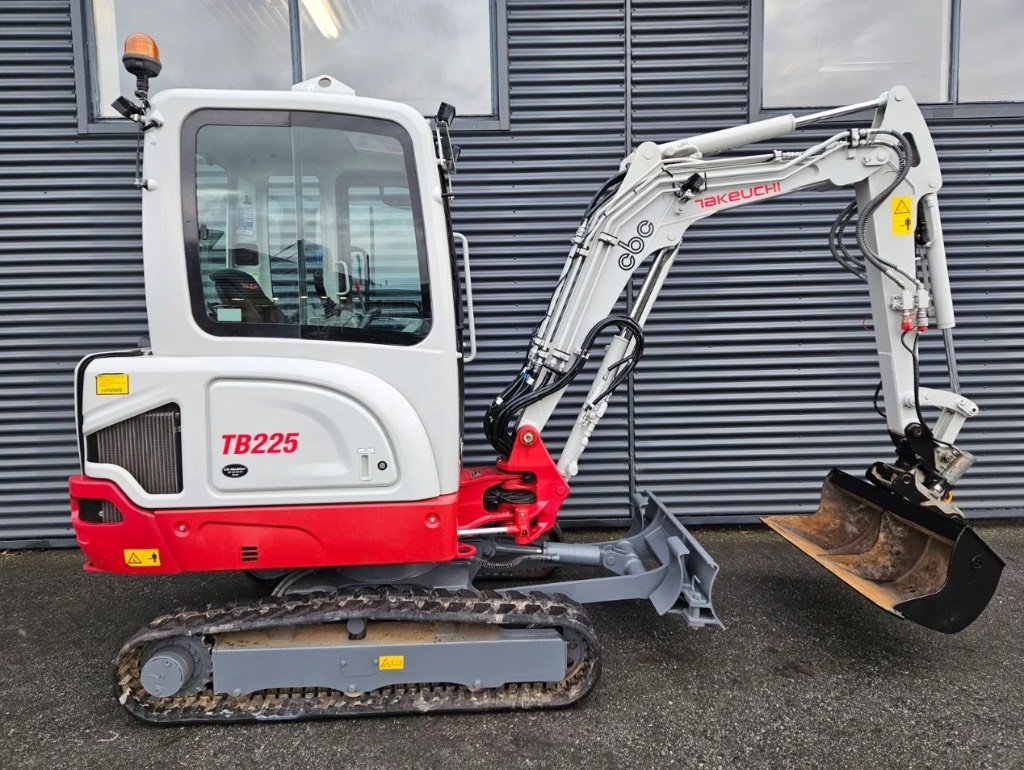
494, 411
517, 405
878, 391
628, 364
917, 376
835, 243
608, 189
503, 412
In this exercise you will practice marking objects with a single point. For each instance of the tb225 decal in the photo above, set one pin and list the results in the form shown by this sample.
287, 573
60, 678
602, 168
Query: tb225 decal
259, 443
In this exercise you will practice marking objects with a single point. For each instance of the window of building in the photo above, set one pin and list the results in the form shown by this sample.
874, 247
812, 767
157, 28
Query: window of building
420, 52
276, 251
821, 53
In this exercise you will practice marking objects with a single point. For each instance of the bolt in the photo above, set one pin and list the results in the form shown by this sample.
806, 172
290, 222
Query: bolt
382, 466
529, 437
344, 663
477, 683
977, 562
351, 688
898, 94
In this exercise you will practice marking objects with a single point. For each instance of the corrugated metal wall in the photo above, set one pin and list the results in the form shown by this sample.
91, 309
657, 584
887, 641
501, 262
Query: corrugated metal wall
70, 267
745, 398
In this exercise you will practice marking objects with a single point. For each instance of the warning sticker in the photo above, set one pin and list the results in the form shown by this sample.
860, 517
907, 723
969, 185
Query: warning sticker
902, 216
111, 384
391, 662
142, 557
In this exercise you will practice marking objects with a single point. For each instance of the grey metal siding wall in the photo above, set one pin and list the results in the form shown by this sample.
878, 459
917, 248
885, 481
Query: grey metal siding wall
519, 196
70, 273
758, 376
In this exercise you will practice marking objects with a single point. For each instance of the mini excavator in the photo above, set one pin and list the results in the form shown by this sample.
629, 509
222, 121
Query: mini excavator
297, 412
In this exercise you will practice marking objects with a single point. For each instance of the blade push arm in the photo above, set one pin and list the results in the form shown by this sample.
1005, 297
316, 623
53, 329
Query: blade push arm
641, 216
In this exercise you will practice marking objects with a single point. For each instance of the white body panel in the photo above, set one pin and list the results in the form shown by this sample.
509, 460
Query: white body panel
344, 423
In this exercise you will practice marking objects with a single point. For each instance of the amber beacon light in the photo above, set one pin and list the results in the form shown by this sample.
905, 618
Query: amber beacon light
141, 57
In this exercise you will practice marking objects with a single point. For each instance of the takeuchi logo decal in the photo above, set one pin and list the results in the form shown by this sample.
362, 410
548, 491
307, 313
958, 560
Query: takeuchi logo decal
733, 196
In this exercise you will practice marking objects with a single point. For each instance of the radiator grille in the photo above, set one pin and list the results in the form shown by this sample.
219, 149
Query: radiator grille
148, 446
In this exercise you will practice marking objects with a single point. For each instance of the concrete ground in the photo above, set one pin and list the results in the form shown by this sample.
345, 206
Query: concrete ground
806, 675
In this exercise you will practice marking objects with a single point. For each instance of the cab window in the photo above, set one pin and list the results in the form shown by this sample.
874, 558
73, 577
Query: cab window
381, 249
304, 225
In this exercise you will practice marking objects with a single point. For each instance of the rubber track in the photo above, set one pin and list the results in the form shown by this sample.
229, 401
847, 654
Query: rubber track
414, 605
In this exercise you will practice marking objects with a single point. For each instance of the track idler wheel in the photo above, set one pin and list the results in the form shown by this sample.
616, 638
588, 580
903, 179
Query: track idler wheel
181, 665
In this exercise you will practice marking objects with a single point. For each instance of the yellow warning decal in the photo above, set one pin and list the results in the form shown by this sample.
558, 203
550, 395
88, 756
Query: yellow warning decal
142, 557
391, 662
902, 215
111, 384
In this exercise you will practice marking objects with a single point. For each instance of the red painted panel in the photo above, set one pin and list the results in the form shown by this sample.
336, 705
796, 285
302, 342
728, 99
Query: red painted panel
283, 536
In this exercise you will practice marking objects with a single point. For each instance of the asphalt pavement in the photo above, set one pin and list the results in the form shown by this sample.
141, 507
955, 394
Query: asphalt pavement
807, 674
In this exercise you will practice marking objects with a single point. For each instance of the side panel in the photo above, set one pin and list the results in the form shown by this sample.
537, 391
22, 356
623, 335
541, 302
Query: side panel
264, 431
287, 436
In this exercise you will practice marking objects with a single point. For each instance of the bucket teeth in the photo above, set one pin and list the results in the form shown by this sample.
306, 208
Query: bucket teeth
915, 562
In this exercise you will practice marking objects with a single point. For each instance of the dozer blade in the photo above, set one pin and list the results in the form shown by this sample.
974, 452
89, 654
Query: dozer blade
919, 564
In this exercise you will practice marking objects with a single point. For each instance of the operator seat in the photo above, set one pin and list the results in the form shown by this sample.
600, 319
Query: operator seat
236, 288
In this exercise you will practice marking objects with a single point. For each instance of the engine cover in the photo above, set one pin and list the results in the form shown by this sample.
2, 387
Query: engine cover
200, 432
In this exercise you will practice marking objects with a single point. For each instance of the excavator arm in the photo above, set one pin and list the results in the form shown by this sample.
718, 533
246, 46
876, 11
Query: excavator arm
896, 537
